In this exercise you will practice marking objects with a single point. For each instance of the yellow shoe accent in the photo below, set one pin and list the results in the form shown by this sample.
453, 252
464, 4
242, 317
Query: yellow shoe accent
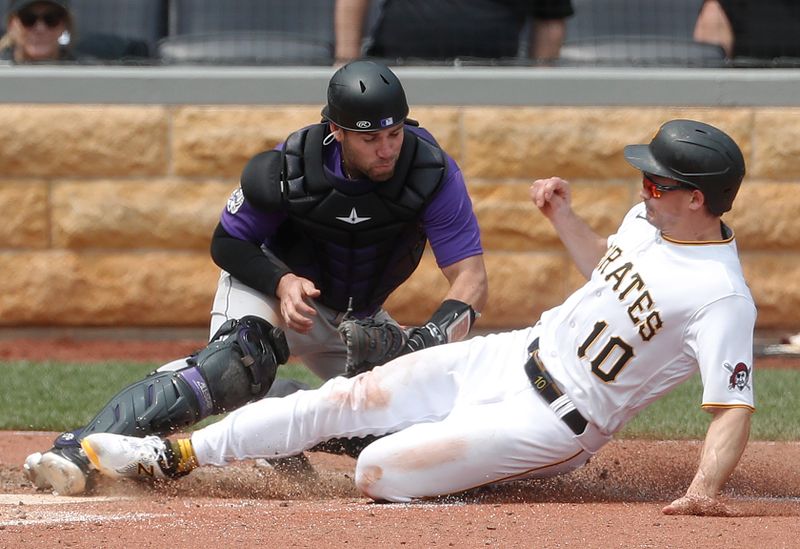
90, 453
187, 460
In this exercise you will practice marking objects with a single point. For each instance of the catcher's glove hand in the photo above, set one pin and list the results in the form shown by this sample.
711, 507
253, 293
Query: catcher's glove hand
371, 343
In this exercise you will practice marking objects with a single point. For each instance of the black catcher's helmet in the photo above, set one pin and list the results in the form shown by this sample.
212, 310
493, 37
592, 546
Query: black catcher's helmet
697, 154
365, 96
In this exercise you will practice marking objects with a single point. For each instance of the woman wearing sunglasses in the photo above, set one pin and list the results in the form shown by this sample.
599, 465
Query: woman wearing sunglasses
34, 29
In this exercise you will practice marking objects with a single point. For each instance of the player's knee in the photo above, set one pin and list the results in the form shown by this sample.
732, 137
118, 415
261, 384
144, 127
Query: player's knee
367, 477
372, 480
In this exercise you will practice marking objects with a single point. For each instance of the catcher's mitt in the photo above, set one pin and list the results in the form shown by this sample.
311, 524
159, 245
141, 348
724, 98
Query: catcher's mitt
371, 343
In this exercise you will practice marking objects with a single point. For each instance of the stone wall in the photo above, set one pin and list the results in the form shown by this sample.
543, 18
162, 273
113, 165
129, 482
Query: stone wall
108, 210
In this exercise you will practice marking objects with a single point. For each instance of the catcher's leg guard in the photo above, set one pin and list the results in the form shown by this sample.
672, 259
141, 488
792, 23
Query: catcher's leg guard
238, 366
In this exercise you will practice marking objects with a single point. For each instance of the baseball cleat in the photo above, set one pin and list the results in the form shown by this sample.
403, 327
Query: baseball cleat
64, 470
120, 456
293, 466
31, 470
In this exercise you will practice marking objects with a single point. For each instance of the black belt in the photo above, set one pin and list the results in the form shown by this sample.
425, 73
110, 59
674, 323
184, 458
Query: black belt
552, 393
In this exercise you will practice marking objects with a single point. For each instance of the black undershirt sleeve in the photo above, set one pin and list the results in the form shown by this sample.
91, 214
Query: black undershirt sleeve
246, 262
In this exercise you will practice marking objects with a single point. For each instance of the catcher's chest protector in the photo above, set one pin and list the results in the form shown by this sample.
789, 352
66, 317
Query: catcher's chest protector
346, 242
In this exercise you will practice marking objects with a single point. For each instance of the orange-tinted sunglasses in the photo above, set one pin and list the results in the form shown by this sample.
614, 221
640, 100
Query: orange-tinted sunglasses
656, 189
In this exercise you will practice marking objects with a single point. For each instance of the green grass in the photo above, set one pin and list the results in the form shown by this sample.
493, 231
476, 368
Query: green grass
679, 416
55, 396
51, 396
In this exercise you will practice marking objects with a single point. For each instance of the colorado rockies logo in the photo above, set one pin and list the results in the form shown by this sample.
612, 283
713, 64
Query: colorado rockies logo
235, 201
740, 376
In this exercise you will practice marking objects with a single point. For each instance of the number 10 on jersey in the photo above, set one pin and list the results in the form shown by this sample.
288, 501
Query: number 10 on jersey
609, 354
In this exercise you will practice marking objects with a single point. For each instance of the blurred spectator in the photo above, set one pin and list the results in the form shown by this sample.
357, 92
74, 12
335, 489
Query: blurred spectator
449, 29
764, 29
34, 31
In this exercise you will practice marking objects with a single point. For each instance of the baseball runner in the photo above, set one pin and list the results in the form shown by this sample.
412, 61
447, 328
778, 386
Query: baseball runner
665, 298
319, 233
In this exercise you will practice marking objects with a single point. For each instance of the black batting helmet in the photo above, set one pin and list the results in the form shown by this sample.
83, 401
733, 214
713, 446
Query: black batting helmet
365, 96
695, 153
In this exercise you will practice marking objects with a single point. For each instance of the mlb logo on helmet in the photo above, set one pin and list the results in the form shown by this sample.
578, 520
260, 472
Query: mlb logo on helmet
386, 122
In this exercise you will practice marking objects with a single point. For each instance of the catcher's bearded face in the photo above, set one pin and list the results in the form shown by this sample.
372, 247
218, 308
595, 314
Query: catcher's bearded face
370, 154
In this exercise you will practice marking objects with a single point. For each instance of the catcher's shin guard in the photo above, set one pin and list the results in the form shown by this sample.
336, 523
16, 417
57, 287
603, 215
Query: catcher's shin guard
239, 365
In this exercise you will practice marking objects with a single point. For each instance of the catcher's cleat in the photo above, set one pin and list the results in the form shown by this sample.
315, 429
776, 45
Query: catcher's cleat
119, 456
64, 470
298, 466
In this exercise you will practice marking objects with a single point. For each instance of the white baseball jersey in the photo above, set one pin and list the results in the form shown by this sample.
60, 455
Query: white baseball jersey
654, 311
466, 414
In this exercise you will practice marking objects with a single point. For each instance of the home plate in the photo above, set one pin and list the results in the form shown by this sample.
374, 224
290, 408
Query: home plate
25, 510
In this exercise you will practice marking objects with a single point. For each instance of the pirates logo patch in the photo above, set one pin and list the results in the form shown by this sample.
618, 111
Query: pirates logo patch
235, 201
740, 376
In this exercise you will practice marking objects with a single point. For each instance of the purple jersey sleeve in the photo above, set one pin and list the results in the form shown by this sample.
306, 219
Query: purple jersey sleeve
244, 222
450, 223
247, 223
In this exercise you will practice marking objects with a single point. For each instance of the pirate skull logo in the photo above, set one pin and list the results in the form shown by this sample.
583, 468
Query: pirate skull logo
740, 376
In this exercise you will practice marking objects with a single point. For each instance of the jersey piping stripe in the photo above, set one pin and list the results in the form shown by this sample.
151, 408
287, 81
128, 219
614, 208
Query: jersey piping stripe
697, 242
526, 473
228, 291
719, 405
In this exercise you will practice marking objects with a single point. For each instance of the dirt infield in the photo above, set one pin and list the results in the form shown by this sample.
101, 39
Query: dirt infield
615, 501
